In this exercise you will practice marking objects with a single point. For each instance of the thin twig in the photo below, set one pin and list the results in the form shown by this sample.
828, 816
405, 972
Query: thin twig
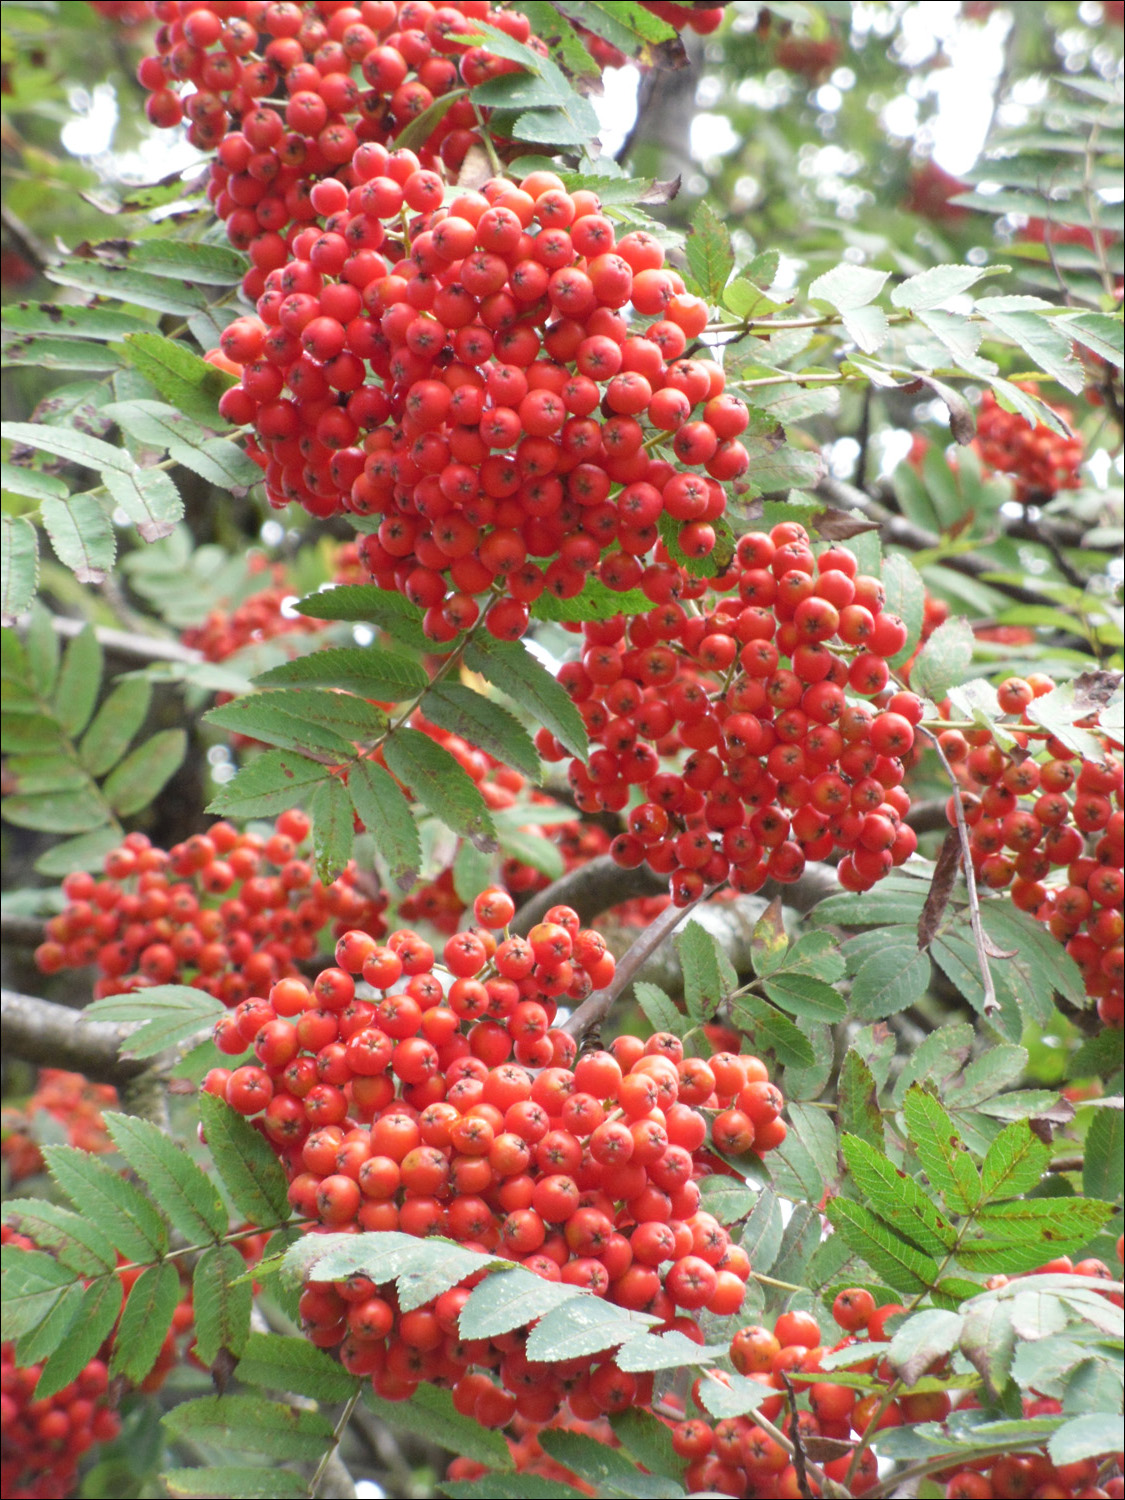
145, 648
337, 1434
799, 1461
594, 1009
991, 1003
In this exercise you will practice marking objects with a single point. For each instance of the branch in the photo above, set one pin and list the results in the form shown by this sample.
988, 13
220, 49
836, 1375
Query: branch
145, 648
928, 817
594, 1009
590, 889
24, 932
42, 1032
898, 529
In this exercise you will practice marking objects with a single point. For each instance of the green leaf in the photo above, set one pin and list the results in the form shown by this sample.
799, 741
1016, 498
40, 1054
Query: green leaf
761, 1239
816, 954
609, 1470
1027, 321
49, 1332
857, 1097
77, 1244
62, 812
221, 1302
235, 1482
158, 425
148, 497
627, 26
773, 1032
1098, 332
145, 772
248, 1167
250, 1424
438, 781
145, 1320
1013, 397
506, 1486
115, 724
943, 660
727, 1198
897, 1198
944, 1156
1014, 1163
921, 1340
430, 1414
169, 1013
531, 849
284, 1363
69, 444
91, 1324
1058, 711
83, 853
271, 783
805, 997
709, 254
509, 666
69, 321
368, 670
188, 382
486, 725
708, 973
385, 813
646, 1439
897, 1262
206, 265
1103, 1167
351, 717
935, 286
57, 354
741, 1396
79, 680
367, 602
19, 567
333, 828
848, 287
906, 597
988, 1340
82, 535
110, 1202
1055, 1221
660, 1009
890, 981
508, 1300
184, 1193
33, 1282
270, 718
1090, 1436
595, 602
128, 286
802, 1235
18, 480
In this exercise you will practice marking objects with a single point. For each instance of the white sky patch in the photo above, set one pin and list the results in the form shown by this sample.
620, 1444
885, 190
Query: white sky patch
616, 107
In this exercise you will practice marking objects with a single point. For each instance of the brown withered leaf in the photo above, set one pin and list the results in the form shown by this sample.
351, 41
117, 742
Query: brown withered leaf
662, 192
1044, 1123
822, 1450
961, 422
222, 1370
1093, 690
995, 952
941, 887
838, 525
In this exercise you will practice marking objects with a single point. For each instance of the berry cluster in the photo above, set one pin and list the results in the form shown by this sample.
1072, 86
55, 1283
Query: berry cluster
1037, 808
780, 766
1039, 460
42, 1439
419, 1111
69, 1098
227, 912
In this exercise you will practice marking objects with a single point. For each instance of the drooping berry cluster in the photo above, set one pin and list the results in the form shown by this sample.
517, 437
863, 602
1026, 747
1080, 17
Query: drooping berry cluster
1039, 460
780, 767
42, 1439
68, 1098
1039, 808
227, 912
418, 1111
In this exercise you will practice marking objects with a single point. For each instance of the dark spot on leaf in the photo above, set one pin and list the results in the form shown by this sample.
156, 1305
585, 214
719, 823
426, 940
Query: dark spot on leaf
222, 1369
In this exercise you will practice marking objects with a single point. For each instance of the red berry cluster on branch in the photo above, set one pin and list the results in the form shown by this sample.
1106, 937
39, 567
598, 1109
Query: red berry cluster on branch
42, 1439
418, 1111
780, 767
69, 1098
1039, 808
227, 912
1040, 461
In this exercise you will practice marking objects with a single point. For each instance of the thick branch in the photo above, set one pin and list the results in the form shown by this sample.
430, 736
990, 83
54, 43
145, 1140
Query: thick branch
53, 1036
898, 529
25, 932
590, 889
